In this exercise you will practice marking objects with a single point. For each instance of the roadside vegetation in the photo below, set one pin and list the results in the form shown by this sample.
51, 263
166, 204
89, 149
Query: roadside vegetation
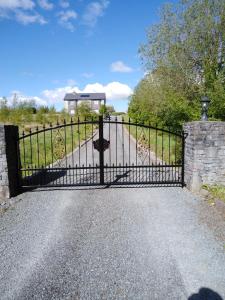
44, 148
184, 59
216, 192
51, 145
28, 115
166, 146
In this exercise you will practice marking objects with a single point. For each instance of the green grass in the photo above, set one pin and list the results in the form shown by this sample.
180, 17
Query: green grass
43, 149
216, 191
166, 146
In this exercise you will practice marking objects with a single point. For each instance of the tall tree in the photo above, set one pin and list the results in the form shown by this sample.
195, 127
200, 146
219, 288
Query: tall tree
185, 54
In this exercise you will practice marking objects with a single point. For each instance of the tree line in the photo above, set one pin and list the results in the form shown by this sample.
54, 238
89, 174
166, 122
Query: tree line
184, 59
27, 114
22, 112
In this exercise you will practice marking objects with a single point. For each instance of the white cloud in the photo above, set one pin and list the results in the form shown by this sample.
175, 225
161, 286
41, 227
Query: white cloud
65, 18
94, 10
87, 75
15, 4
26, 19
45, 4
64, 3
120, 67
25, 12
18, 10
21, 97
113, 90
57, 95
39, 101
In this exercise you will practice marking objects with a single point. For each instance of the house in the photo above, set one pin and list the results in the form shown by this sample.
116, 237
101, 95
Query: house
95, 100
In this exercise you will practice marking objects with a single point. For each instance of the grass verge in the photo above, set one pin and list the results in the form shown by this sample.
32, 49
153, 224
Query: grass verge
166, 146
216, 191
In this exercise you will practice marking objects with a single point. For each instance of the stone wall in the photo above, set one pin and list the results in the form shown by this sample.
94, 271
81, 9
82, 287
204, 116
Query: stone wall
204, 154
9, 177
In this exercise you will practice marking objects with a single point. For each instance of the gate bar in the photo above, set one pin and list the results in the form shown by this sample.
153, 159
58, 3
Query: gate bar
101, 152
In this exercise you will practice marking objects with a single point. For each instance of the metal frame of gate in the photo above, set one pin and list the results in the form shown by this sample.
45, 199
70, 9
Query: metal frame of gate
101, 152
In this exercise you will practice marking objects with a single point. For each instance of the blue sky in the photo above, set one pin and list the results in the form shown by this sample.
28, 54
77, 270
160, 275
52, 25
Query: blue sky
51, 47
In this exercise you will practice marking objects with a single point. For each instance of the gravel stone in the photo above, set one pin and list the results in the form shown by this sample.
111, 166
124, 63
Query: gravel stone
132, 243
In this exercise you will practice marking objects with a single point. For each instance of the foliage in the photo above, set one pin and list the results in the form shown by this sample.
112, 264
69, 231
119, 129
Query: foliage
52, 145
184, 58
217, 191
26, 114
166, 146
118, 113
84, 111
18, 113
110, 109
106, 109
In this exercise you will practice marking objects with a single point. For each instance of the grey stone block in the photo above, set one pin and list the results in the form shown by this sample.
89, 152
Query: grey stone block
204, 154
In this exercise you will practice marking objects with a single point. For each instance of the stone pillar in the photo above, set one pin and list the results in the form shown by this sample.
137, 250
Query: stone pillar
204, 154
9, 161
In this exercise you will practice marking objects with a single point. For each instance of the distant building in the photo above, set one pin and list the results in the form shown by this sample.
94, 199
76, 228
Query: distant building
95, 100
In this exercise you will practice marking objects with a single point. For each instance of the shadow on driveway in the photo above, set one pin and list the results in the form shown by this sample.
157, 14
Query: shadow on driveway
205, 294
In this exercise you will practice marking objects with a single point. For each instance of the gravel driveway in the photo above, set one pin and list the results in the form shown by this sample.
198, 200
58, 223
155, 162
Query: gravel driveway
108, 243
136, 243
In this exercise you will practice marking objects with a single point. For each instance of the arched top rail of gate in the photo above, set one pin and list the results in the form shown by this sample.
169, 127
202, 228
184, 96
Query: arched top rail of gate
147, 126
50, 127
44, 128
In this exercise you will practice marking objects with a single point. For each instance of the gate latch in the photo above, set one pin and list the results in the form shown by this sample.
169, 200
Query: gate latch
97, 145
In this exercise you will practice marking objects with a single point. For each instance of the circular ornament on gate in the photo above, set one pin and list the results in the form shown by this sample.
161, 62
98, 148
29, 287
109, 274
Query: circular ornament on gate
97, 145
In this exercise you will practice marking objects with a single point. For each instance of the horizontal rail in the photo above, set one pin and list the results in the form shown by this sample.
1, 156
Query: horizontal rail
141, 166
156, 183
60, 169
97, 167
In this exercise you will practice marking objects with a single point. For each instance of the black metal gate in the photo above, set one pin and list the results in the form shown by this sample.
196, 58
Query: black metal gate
101, 152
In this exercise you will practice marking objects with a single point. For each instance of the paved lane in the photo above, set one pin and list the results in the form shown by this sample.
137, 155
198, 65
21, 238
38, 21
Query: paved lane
158, 243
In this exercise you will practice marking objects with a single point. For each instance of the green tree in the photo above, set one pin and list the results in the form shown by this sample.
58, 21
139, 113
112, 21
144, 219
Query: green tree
102, 109
4, 110
184, 57
106, 109
84, 111
43, 109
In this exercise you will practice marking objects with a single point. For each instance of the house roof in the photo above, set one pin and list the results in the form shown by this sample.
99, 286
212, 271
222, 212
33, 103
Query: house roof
84, 96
